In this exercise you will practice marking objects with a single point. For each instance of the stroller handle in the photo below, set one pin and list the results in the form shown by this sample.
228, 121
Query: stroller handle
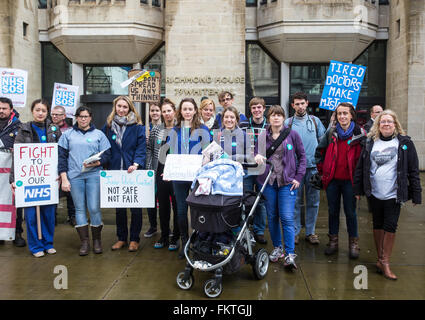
255, 165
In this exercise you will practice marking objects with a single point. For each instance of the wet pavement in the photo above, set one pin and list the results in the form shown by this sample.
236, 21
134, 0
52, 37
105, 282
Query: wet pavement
151, 273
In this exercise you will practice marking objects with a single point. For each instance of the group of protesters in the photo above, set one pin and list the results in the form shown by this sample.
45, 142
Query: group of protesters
345, 159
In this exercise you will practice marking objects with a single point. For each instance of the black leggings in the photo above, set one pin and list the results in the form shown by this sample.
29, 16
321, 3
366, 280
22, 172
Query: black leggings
385, 213
165, 193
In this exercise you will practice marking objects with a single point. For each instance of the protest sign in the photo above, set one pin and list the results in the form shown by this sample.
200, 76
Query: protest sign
343, 84
67, 96
146, 90
36, 172
120, 189
7, 209
14, 85
182, 167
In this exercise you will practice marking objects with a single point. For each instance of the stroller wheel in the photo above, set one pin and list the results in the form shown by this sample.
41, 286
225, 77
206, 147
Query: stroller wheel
212, 289
261, 264
184, 284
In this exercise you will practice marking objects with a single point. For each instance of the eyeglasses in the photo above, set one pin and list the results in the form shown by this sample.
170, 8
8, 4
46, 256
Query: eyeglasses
386, 122
57, 114
226, 99
83, 117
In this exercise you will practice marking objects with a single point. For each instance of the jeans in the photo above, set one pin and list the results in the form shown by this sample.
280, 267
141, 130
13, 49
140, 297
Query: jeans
334, 191
312, 197
181, 191
280, 204
135, 224
260, 214
86, 190
47, 221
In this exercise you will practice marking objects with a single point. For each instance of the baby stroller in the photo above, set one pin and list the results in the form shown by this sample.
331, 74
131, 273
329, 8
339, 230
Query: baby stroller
221, 241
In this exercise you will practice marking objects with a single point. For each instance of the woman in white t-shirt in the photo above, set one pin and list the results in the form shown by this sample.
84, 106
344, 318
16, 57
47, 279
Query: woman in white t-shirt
388, 174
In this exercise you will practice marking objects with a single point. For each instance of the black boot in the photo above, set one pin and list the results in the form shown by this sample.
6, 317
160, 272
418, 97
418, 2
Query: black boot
83, 232
96, 234
181, 252
19, 241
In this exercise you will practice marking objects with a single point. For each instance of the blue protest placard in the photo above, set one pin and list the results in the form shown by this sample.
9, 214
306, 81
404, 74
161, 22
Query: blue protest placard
65, 95
13, 85
343, 84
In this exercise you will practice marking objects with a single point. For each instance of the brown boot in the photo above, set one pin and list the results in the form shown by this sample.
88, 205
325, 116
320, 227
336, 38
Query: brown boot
387, 247
83, 232
378, 235
97, 243
353, 248
332, 245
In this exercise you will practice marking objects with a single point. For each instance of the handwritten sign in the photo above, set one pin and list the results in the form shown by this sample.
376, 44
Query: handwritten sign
343, 84
182, 167
119, 189
67, 96
14, 85
35, 174
148, 90
7, 208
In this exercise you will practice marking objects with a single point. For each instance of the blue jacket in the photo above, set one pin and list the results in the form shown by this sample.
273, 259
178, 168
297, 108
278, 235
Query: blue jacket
133, 148
180, 143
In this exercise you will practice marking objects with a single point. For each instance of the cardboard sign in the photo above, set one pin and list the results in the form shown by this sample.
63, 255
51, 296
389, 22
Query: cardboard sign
7, 209
147, 90
343, 84
36, 171
67, 96
182, 167
119, 189
14, 85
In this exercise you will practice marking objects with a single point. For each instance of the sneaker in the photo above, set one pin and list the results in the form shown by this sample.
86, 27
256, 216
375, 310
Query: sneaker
312, 238
150, 232
38, 254
289, 262
297, 239
51, 251
161, 243
174, 246
276, 254
260, 239
19, 241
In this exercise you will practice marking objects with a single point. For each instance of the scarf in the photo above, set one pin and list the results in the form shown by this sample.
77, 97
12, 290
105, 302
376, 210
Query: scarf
347, 134
119, 124
210, 122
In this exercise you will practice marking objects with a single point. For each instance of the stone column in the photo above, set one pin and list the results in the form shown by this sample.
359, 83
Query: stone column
205, 49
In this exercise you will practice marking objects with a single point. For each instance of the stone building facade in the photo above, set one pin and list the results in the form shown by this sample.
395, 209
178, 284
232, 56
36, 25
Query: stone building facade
269, 48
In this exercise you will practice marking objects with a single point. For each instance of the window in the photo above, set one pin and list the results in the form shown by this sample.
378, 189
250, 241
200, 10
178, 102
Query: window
262, 75
24, 29
156, 3
308, 78
42, 4
55, 68
251, 3
105, 79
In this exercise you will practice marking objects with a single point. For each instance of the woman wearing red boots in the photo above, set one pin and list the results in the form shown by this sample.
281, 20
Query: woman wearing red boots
388, 173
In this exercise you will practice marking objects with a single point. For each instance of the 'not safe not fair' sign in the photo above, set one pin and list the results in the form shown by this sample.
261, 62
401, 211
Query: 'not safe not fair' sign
36, 174
343, 84
120, 189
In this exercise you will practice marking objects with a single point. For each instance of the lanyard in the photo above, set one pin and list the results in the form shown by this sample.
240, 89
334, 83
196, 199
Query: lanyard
252, 128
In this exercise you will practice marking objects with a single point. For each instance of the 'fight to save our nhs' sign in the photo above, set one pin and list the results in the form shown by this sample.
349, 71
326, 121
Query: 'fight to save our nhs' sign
13, 85
343, 84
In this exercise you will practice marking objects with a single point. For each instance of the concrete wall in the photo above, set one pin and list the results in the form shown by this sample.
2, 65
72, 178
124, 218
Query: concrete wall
205, 46
19, 51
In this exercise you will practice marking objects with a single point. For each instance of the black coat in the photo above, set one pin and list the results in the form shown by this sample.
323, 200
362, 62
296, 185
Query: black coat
408, 181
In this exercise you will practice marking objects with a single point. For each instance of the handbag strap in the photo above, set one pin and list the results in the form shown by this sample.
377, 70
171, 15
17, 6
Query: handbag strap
277, 142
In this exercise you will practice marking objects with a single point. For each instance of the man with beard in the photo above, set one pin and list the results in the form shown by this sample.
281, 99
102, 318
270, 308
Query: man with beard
9, 125
310, 128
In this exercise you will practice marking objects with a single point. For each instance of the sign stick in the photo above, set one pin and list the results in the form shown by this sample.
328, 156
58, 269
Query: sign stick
147, 120
38, 223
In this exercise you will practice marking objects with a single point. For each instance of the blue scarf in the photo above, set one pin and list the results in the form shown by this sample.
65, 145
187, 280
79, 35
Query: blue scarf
344, 135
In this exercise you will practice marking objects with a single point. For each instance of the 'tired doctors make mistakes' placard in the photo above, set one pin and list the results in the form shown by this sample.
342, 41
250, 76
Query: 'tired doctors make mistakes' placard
36, 173
120, 189
343, 84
